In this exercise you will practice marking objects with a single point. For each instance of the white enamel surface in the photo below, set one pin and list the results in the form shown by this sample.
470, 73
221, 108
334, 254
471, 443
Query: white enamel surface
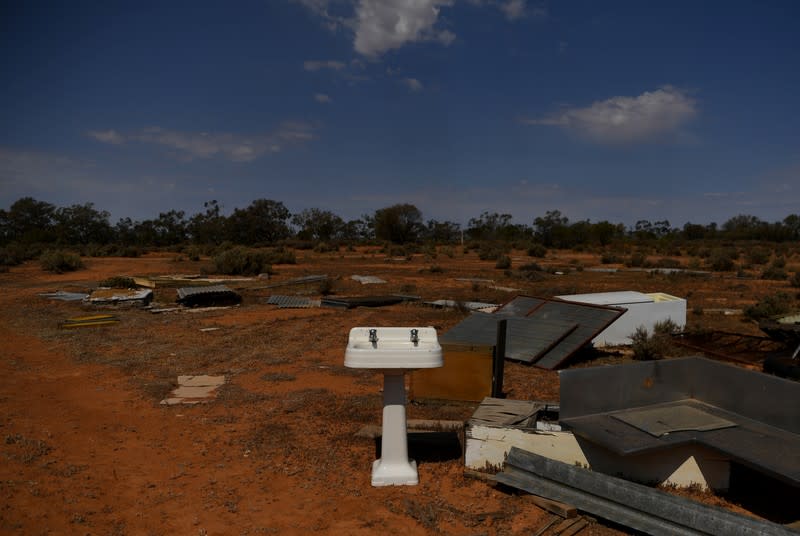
393, 349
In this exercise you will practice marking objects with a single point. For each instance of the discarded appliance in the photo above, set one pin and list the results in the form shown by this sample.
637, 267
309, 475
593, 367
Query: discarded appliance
194, 390
543, 332
118, 296
208, 296
645, 509
393, 351
642, 310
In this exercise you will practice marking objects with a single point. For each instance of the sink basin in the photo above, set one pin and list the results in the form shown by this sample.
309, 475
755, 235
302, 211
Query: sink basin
393, 348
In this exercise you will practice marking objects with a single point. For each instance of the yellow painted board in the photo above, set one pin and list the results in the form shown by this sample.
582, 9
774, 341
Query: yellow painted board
466, 375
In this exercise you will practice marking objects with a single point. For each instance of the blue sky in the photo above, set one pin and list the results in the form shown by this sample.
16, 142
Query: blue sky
685, 111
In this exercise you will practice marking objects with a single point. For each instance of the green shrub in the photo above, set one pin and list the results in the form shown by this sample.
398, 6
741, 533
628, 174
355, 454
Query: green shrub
647, 347
60, 261
448, 252
768, 306
240, 260
118, 281
774, 273
795, 280
281, 255
758, 256
530, 267
666, 262
436, 269
637, 260
609, 258
537, 250
721, 260
503, 263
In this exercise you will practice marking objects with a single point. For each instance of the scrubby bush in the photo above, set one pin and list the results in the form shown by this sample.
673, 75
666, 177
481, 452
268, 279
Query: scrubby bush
60, 261
530, 267
240, 260
768, 306
774, 273
637, 260
647, 347
537, 250
666, 262
503, 263
609, 258
281, 255
758, 256
795, 280
118, 281
721, 260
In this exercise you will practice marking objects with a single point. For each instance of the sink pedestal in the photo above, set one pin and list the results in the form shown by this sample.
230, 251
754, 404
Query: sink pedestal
393, 351
394, 468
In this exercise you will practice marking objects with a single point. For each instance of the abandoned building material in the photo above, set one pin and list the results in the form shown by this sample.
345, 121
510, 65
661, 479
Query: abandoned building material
64, 296
691, 405
633, 505
368, 279
292, 302
209, 296
194, 390
543, 332
298, 281
468, 305
644, 310
467, 375
118, 296
361, 301
785, 329
527, 339
89, 321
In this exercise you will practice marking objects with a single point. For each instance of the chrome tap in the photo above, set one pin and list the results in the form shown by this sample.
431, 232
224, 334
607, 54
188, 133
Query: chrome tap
373, 337
415, 336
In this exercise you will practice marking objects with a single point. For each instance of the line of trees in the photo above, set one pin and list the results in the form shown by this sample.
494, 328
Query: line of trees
267, 222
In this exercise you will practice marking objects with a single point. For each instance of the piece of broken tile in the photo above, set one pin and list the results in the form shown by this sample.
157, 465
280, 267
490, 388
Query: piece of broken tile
200, 380
200, 391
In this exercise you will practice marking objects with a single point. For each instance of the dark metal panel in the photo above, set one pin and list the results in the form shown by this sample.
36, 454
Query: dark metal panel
593, 390
590, 319
754, 395
519, 306
526, 339
633, 505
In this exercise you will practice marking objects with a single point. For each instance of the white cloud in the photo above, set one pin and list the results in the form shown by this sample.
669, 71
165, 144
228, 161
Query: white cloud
107, 136
514, 9
234, 147
412, 84
625, 120
316, 65
383, 25
322, 98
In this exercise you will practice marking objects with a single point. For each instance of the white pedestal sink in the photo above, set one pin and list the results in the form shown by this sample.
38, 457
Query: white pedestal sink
393, 351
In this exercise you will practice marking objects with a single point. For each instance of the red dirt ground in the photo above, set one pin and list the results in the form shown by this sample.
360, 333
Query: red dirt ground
86, 447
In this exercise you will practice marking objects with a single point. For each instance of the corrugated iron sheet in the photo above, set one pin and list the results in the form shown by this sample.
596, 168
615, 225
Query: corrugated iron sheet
208, 295
519, 306
292, 302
